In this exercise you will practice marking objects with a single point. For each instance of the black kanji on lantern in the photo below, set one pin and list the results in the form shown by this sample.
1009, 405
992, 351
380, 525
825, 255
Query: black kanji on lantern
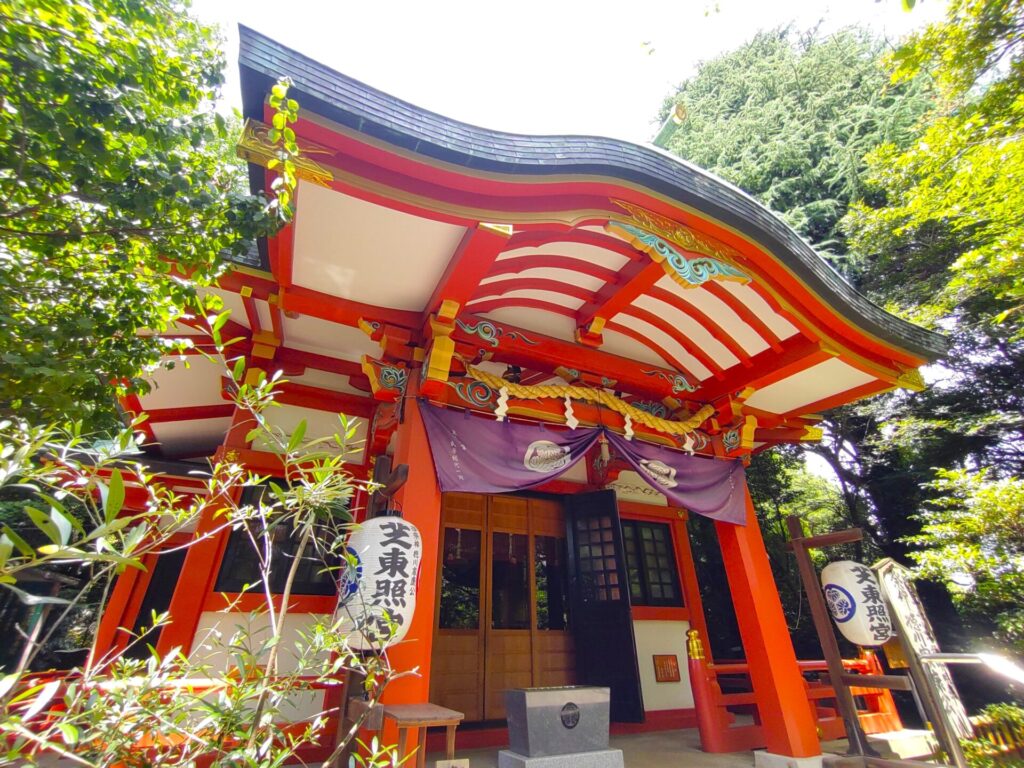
393, 563
395, 535
389, 592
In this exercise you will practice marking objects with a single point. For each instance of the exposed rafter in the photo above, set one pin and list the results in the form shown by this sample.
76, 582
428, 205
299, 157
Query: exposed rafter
470, 264
703, 319
635, 279
518, 264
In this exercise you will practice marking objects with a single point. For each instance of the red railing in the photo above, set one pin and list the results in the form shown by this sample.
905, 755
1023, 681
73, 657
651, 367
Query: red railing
717, 708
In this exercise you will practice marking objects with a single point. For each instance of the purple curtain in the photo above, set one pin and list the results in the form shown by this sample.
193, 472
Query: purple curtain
481, 455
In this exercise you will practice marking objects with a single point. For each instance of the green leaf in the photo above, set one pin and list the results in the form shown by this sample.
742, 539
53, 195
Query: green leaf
114, 500
296, 437
42, 521
22, 546
29, 599
69, 733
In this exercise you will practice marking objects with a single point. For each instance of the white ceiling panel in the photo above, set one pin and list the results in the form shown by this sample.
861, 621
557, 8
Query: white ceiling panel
181, 386
357, 250
809, 386
311, 334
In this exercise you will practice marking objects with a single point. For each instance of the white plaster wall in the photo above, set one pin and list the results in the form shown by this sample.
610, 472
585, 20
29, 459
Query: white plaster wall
662, 637
214, 636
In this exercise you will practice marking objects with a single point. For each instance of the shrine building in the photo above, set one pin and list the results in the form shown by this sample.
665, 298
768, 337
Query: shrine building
573, 344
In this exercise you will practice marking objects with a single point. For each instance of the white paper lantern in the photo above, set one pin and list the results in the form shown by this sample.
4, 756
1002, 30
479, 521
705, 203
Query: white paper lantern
377, 590
855, 602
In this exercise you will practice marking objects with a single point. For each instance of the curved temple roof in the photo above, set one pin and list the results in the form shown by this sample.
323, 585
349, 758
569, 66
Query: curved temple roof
351, 103
428, 250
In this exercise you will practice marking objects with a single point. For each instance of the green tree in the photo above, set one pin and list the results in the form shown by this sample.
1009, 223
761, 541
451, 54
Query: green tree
973, 540
957, 191
946, 220
112, 166
789, 118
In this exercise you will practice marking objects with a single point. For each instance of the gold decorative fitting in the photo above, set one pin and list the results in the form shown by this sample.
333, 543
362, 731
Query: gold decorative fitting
812, 435
911, 379
694, 646
599, 396
255, 146
679, 234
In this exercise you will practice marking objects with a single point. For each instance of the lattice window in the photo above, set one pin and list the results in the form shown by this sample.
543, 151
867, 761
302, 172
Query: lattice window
651, 564
599, 573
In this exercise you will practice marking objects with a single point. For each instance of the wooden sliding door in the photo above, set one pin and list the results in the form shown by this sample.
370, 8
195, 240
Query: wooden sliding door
503, 610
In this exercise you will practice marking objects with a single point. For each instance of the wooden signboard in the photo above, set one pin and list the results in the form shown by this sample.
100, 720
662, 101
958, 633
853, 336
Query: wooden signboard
918, 639
666, 668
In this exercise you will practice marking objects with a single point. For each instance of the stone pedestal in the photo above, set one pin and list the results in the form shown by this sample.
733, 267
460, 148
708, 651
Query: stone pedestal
558, 728
604, 758
763, 759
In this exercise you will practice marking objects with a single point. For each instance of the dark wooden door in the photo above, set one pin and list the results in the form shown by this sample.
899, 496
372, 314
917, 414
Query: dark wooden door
599, 600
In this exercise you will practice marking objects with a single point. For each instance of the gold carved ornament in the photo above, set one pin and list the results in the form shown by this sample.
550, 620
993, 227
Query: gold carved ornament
599, 396
681, 235
255, 146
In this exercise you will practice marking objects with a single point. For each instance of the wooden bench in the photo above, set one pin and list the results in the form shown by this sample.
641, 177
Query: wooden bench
422, 716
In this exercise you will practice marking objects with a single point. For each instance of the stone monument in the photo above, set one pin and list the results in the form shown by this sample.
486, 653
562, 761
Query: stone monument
558, 728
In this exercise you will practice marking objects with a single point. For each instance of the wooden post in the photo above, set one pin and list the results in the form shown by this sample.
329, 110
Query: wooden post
786, 714
823, 624
419, 501
711, 721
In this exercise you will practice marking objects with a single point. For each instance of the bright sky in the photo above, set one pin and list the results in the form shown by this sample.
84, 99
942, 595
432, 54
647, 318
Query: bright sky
560, 66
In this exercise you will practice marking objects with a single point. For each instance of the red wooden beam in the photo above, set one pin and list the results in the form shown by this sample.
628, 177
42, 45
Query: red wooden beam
236, 280
660, 351
798, 353
500, 287
537, 352
635, 278
840, 398
306, 301
319, 362
277, 321
469, 265
483, 307
252, 313
745, 313
538, 238
131, 404
317, 398
190, 413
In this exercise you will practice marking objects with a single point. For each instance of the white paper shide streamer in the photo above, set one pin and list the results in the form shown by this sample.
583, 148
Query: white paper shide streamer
570, 418
502, 410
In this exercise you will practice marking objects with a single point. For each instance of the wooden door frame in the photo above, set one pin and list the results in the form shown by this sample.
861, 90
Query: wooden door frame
481, 647
484, 629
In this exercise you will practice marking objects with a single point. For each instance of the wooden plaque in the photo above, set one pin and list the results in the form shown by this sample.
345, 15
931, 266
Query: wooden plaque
666, 668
